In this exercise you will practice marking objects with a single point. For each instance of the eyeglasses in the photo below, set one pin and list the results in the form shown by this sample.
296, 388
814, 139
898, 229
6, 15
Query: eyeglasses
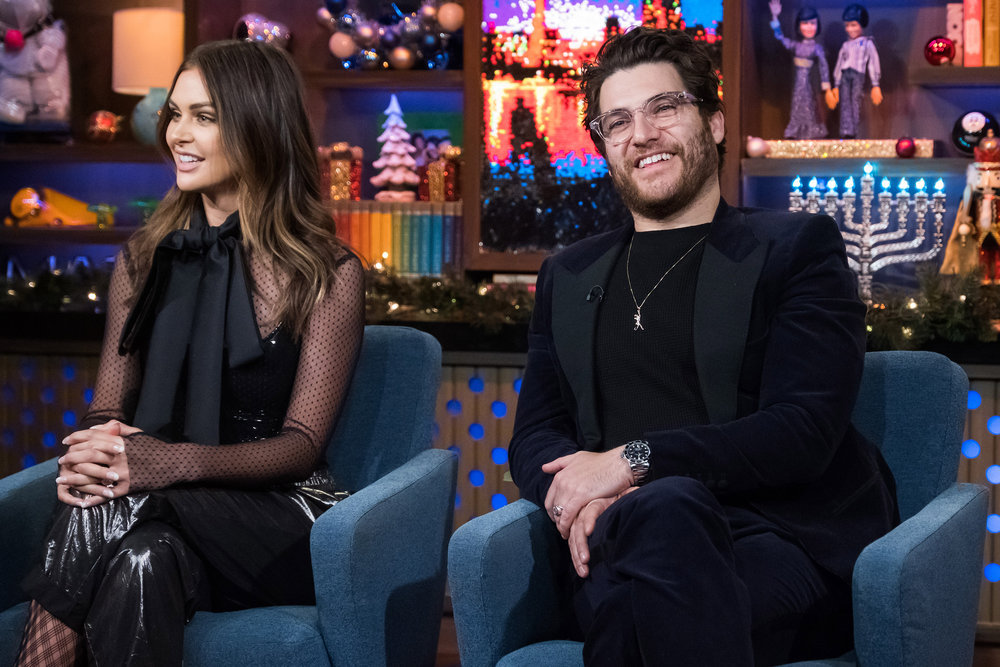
661, 111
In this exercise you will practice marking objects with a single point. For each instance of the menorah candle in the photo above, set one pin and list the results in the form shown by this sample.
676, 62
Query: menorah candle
795, 196
812, 197
831, 198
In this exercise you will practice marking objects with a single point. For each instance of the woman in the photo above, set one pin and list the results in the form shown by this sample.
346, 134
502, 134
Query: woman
234, 323
807, 55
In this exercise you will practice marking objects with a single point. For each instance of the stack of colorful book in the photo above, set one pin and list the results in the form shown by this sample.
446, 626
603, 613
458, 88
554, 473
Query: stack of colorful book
413, 238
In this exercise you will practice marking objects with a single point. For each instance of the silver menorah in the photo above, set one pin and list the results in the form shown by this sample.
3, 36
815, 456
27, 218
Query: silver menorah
871, 245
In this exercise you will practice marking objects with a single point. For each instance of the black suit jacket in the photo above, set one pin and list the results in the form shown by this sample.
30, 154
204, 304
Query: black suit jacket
779, 344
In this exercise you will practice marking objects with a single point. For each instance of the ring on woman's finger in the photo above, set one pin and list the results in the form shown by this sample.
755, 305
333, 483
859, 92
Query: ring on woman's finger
111, 484
557, 510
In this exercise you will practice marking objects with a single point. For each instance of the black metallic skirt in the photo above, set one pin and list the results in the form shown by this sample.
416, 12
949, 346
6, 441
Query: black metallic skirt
129, 573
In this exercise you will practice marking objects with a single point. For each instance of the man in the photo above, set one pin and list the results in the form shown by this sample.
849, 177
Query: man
857, 56
684, 416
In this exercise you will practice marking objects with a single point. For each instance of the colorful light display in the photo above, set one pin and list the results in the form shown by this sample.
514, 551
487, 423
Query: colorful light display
544, 185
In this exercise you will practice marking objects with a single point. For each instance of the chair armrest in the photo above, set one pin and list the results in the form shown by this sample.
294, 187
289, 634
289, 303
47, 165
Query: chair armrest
27, 500
379, 565
916, 589
507, 572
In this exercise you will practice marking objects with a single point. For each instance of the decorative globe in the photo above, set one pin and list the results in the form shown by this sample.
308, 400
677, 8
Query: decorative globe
146, 115
906, 147
971, 127
939, 50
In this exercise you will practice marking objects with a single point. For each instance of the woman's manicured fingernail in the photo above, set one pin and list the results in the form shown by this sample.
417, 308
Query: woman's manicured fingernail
119, 448
108, 493
60, 460
112, 476
60, 480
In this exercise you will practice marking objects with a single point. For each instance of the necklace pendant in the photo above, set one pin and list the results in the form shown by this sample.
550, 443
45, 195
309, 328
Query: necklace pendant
638, 321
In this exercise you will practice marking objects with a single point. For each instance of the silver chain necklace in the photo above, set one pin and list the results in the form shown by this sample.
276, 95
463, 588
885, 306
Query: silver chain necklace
628, 276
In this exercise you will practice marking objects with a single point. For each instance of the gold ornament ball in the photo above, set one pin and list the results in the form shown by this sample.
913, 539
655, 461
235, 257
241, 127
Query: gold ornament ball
451, 16
342, 46
964, 229
989, 143
401, 58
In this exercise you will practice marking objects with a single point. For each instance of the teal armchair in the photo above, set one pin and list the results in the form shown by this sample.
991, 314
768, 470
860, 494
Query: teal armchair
378, 557
915, 590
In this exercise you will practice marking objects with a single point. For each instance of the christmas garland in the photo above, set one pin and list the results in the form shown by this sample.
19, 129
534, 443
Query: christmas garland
951, 309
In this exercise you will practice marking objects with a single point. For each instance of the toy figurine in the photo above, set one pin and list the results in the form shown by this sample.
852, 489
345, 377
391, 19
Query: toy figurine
34, 73
857, 55
807, 55
975, 237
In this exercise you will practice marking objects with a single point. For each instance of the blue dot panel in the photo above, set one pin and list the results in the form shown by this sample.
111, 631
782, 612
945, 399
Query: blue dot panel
476, 477
48, 395
458, 500
476, 384
517, 386
456, 449
27, 417
28, 460
49, 439
970, 449
975, 400
88, 395
69, 372
993, 523
7, 393
498, 500
499, 409
69, 418
499, 455
993, 425
454, 407
992, 572
993, 474
476, 431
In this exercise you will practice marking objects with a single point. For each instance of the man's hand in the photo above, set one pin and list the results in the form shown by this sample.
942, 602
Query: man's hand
876, 95
95, 467
581, 477
583, 528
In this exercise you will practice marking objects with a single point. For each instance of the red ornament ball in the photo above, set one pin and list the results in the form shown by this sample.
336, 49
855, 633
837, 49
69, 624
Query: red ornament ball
13, 40
906, 147
940, 50
103, 126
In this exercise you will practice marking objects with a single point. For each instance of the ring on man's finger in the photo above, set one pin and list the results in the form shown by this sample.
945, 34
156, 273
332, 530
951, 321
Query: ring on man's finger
557, 510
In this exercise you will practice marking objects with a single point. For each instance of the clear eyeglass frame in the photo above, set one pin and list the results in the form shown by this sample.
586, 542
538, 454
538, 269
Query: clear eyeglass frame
662, 111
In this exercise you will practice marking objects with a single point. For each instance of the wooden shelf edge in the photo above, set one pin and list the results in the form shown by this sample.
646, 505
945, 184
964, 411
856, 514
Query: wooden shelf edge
955, 77
896, 166
87, 235
408, 80
80, 152
502, 262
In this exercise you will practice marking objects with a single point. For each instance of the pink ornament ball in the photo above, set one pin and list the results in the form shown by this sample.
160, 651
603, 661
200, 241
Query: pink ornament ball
342, 46
323, 17
757, 147
450, 16
939, 50
401, 58
367, 34
906, 147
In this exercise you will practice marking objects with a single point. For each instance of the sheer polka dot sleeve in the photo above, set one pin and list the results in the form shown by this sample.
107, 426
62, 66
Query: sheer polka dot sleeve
118, 379
329, 352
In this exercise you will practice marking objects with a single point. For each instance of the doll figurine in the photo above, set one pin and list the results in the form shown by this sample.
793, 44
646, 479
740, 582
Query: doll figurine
807, 55
857, 55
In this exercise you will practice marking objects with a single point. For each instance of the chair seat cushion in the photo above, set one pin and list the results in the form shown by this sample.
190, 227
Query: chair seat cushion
264, 636
551, 654
11, 628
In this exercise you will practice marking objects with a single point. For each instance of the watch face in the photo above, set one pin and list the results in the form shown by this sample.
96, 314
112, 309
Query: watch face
637, 451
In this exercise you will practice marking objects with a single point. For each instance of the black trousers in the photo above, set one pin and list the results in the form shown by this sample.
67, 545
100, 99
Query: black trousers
128, 574
676, 578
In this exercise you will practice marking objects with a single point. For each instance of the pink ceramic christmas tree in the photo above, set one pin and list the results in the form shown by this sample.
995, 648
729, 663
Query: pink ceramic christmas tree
397, 174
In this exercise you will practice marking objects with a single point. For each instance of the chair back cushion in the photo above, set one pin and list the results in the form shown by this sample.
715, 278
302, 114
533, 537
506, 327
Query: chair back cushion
913, 406
387, 417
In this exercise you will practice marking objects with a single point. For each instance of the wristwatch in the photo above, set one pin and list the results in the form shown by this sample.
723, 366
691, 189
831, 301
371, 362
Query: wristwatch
636, 453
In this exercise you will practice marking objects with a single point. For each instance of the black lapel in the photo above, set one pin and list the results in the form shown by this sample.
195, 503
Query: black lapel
576, 296
727, 279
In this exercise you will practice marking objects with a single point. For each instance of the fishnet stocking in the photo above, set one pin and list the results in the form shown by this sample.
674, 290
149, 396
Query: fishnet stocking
48, 642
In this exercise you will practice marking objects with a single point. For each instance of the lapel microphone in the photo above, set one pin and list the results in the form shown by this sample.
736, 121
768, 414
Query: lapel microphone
596, 292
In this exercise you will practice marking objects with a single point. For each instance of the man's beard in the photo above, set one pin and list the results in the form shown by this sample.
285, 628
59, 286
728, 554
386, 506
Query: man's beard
699, 166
